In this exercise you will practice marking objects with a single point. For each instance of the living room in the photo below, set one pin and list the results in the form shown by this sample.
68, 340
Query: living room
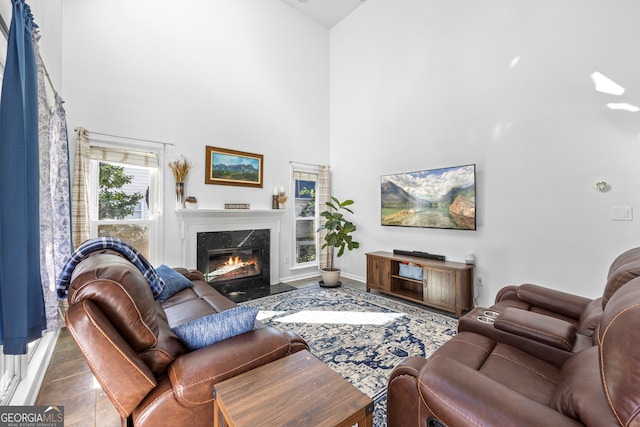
506, 87
397, 86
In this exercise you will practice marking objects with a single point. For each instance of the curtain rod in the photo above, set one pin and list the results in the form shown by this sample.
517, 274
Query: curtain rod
46, 73
302, 163
4, 29
131, 139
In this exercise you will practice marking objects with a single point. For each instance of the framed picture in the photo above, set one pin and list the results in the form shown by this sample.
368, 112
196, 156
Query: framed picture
231, 167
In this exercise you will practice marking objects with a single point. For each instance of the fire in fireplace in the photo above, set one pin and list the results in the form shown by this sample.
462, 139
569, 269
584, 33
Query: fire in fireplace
235, 265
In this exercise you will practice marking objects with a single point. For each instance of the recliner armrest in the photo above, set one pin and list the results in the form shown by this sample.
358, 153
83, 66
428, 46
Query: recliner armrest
538, 327
568, 305
460, 395
193, 375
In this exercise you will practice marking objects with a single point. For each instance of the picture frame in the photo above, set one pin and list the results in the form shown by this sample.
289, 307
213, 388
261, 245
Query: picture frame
232, 167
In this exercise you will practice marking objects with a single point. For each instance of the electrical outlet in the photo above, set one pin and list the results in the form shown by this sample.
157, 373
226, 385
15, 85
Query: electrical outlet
286, 259
480, 280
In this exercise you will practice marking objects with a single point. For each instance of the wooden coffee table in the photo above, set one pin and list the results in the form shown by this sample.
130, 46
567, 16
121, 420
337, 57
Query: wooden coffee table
296, 391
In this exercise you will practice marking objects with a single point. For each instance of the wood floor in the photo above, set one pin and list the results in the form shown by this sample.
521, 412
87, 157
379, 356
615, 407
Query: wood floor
68, 382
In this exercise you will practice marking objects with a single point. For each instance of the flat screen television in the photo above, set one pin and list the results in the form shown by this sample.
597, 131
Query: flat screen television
434, 198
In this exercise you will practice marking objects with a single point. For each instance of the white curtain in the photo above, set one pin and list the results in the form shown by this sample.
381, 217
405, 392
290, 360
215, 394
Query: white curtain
324, 195
55, 218
80, 188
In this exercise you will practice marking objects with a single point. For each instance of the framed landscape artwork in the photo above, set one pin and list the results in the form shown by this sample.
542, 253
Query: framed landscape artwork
231, 167
435, 198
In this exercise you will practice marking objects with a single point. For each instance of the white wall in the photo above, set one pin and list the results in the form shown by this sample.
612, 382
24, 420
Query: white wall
400, 85
426, 84
250, 75
47, 15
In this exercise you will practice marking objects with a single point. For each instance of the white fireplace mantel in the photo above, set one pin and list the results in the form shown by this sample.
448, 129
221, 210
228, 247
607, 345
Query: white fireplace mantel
232, 213
194, 221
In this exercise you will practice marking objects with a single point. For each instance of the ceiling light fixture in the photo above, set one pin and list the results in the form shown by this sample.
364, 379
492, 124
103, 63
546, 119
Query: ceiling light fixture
606, 85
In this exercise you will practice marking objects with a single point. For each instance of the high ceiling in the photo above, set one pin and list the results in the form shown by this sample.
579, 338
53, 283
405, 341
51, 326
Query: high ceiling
326, 12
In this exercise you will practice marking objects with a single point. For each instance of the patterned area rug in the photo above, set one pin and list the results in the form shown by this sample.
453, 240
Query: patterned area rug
361, 336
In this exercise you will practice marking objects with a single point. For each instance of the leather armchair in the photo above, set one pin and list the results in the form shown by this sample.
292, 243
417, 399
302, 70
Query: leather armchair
551, 324
473, 380
583, 313
145, 370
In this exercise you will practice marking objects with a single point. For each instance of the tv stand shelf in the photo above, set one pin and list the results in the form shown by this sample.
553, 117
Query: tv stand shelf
445, 285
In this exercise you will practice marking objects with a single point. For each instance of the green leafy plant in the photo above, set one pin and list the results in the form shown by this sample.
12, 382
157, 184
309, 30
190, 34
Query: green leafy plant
338, 228
113, 203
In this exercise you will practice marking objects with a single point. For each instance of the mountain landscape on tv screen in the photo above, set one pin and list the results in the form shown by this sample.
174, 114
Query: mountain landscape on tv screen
440, 198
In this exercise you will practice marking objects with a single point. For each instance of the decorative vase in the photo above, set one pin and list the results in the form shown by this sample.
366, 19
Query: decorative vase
191, 202
179, 195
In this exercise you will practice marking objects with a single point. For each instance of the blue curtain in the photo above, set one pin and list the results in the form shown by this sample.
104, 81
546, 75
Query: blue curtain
22, 314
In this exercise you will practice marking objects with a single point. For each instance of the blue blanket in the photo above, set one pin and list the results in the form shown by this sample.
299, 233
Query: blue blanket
64, 280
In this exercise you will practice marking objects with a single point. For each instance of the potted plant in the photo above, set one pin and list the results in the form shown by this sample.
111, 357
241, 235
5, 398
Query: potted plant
338, 235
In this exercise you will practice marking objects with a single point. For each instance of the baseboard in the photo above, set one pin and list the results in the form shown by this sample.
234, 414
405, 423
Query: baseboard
316, 274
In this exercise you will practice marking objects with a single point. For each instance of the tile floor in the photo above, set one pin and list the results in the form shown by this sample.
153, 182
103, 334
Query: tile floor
69, 382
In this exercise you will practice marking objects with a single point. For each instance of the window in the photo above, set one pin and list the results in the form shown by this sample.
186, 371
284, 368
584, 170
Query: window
305, 186
124, 197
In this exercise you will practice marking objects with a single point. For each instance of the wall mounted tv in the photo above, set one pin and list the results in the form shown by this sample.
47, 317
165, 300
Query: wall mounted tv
435, 198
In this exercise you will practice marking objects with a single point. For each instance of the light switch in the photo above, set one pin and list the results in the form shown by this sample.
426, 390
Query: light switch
621, 213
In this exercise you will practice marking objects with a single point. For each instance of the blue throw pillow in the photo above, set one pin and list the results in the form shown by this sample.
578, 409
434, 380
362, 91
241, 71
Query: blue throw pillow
173, 282
207, 330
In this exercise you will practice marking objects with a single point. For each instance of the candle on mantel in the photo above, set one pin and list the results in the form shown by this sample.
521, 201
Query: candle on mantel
281, 189
275, 191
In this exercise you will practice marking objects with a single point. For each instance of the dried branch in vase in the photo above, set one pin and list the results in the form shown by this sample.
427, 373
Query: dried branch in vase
180, 168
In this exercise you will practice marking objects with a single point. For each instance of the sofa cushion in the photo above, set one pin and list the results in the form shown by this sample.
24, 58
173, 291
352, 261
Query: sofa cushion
622, 275
590, 318
210, 329
618, 337
173, 282
122, 293
579, 392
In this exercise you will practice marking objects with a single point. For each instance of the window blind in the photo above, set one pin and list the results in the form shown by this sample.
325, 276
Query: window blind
127, 157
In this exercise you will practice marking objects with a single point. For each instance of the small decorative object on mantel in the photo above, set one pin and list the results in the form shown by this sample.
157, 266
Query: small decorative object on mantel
180, 169
191, 202
282, 198
274, 199
237, 206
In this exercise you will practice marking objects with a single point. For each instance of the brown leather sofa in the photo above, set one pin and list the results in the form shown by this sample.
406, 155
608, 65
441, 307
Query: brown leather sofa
145, 370
474, 380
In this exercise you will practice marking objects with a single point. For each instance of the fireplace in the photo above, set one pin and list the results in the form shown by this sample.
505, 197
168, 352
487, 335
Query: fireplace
196, 222
235, 262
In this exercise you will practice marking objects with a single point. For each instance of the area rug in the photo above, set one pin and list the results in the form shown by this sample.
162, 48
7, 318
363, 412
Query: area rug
360, 335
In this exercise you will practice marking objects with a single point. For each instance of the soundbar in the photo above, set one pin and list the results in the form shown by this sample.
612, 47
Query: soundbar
419, 254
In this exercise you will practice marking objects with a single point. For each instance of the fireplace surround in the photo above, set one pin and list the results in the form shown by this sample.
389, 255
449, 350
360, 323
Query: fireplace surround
195, 221
235, 260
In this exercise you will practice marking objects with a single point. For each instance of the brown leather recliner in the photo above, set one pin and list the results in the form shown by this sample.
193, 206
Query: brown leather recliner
552, 324
145, 370
473, 380
583, 313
